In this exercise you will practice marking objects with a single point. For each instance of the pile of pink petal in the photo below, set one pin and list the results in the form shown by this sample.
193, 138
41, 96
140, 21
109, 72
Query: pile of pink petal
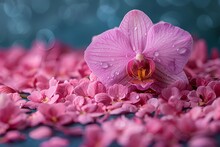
51, 89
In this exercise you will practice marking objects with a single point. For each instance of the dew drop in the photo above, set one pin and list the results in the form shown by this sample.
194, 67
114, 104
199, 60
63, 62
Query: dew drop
135, 28
126, 55
156, 54
145, 34
104, 65
137, 97
181, 50
173, 45
117, 73
158, 60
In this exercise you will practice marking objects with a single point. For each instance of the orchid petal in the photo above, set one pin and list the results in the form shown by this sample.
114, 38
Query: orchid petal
168, 45
136, 24
108, 55
163, 78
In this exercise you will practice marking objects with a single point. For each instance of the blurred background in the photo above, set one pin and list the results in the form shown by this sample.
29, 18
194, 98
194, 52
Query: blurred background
74, 22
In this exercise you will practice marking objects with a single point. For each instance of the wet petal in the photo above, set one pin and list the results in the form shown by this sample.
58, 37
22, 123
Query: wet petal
168, 45
95, 87
164, 78
129, 107
103, 98
136, 24
89, 108
117, 92
108, 55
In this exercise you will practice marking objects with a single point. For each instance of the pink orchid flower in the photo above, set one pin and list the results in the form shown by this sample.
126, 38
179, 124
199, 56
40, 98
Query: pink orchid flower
139, 52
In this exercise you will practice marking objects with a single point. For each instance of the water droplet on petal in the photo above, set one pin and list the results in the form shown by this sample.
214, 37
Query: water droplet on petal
137, 97
145, 34
135, 28
156, 54
117, 73
112, 75
104, 65
181, 50
173, 45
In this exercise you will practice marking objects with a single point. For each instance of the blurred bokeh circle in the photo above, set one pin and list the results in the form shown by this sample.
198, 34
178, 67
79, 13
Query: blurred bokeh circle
75, 21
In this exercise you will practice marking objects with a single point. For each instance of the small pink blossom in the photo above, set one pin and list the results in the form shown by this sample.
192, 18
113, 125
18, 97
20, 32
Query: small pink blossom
54, 114
118, 92
199, 54
11, 116
140, 52
55, 142
41, 133
89, 112
63, 90
202, 96
45, 96
95, 88
215, 85
186, 125
149, 108
81, 88
103, 98
35, 119
95, 137
126, 132
89, 89
12, 136
202, 142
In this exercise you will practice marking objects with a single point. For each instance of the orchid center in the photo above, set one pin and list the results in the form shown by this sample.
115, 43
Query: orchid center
140, 69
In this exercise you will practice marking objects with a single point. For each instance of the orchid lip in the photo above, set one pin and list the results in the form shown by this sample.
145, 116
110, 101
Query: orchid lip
140, 69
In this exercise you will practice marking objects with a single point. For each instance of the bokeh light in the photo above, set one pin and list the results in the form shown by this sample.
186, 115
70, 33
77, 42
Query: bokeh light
75, 22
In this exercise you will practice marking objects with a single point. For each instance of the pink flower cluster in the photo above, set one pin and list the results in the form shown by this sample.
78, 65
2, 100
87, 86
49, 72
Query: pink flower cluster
53, 89
141, 90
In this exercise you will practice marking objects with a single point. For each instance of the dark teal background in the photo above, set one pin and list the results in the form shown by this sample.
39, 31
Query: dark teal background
75, 21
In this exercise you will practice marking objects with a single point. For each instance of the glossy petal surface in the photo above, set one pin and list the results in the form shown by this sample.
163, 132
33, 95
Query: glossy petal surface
168, 45
135, 25
108, 55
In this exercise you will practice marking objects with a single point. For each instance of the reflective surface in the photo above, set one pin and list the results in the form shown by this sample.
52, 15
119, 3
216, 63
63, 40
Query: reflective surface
76, 21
